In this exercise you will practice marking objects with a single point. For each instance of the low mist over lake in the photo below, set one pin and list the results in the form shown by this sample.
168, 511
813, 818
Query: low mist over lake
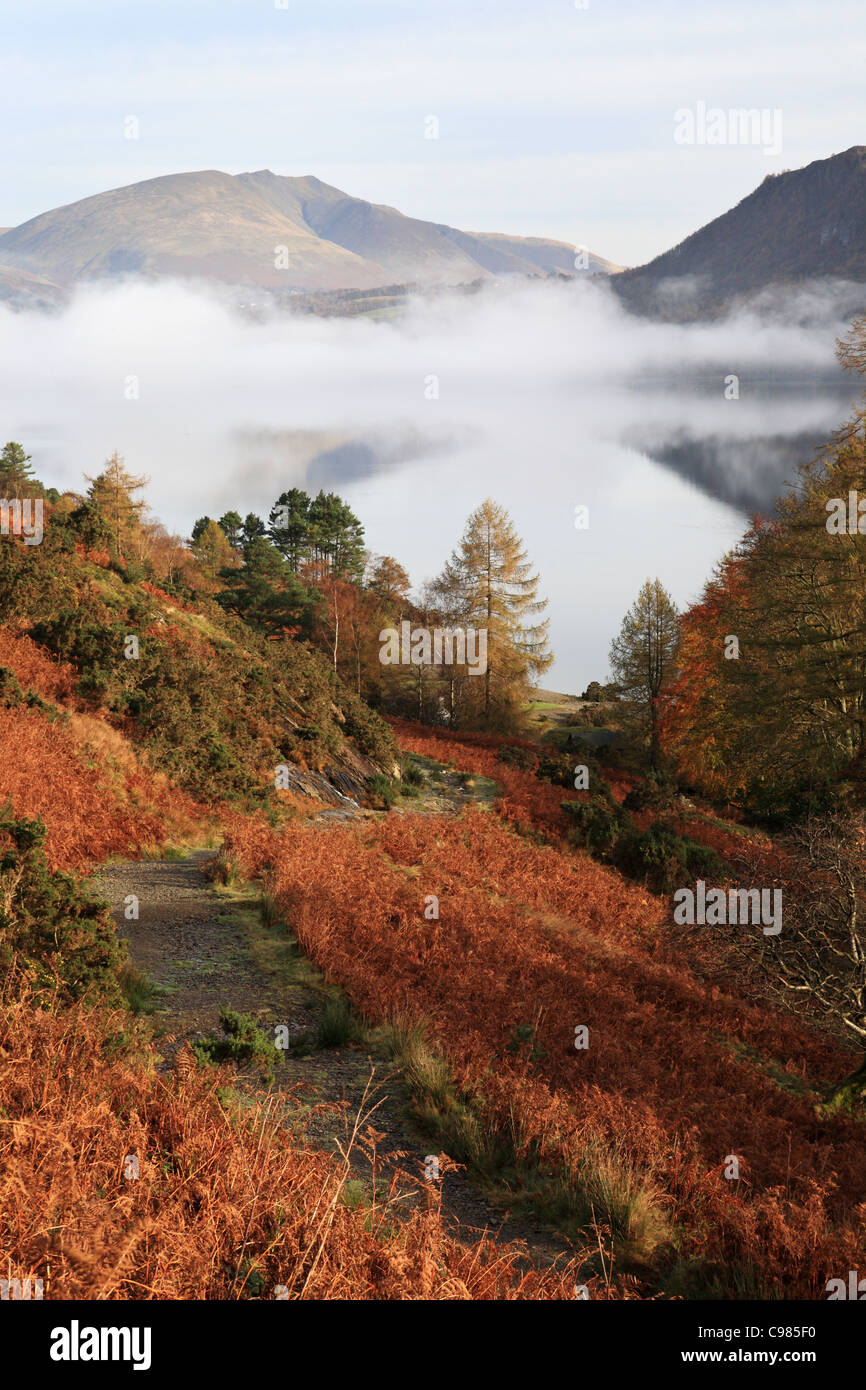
545, 396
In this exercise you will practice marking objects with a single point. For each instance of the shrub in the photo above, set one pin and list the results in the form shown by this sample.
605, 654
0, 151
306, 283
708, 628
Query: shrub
12, 696
50, 926
558, 768
656, 856
339, 1023
244, 1041
655, 791
703, 862
597, 822
410, 773
514, 756
663, 859
382, 792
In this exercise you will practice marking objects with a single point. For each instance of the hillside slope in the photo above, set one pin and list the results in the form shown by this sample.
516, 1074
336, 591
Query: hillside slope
803, 224
25, 289
207, 702
262, 229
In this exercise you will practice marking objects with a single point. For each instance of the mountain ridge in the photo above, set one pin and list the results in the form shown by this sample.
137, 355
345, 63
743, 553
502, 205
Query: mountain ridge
268, 230
797, 225
296, 235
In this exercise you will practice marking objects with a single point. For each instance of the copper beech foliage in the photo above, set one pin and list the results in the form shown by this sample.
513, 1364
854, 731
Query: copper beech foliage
223, 1208
527, 934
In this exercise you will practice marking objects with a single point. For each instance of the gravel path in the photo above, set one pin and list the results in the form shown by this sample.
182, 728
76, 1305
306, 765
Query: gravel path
198, 946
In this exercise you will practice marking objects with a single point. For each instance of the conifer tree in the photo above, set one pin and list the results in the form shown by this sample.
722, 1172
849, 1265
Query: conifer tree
266, 594
289, 527
112, 493
230, 524
489, 585
212, 550
17, 478
643, 655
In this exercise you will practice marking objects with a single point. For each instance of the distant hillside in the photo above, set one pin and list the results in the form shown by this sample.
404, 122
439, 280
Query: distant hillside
23, 287
804, 224
236, 229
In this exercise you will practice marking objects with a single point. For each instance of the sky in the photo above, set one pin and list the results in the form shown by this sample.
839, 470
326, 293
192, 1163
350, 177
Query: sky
554, 118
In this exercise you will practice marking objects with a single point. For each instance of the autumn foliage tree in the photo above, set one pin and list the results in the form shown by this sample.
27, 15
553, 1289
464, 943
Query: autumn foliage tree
489, 585
643, 654
113, 495
780, 725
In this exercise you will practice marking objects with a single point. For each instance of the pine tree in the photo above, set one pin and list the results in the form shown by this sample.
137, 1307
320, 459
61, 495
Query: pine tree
252, 528
230, 524
266, 594
289, 527
17, 478
336, 539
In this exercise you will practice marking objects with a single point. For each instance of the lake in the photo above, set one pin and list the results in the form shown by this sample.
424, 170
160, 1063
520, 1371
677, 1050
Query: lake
547, 398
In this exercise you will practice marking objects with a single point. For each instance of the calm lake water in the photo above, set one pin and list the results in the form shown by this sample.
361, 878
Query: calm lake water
544, 399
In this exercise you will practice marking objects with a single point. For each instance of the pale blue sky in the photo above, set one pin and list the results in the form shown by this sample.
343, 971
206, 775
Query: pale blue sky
553, 120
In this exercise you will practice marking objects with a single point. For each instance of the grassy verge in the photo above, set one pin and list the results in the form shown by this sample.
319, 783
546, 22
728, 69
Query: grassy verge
604, 1197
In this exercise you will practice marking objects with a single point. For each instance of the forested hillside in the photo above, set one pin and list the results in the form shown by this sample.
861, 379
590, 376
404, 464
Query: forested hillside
429, 869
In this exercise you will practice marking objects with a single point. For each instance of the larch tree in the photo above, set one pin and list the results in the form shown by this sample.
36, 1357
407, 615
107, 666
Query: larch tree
387, 578
211, 549
112, 493
783, 727
489, 585
643, 657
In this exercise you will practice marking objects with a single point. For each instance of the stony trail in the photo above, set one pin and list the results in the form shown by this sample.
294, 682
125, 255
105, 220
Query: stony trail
206, 948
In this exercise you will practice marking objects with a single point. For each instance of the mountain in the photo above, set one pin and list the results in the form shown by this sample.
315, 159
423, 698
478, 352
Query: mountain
22, 287
804, 224
237, 229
